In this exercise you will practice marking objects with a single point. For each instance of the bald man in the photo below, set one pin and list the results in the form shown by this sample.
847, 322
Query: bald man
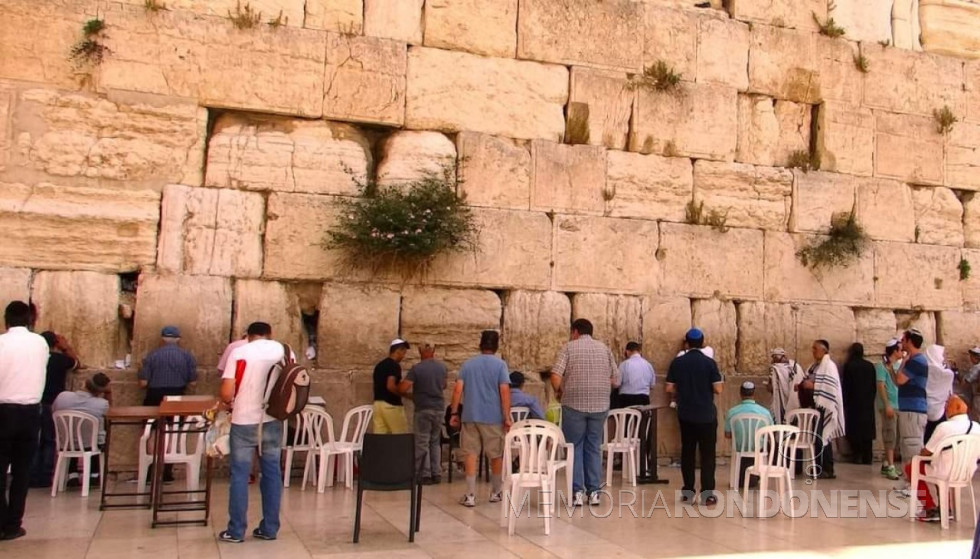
957, 423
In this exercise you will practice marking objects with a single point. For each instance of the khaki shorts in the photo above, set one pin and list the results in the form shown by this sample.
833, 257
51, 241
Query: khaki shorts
889, 430
389, 419
911, 429
473, 436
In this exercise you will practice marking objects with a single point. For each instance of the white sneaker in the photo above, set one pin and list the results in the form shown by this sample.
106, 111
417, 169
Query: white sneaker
579, 499
468, 500
594, 498
496, 497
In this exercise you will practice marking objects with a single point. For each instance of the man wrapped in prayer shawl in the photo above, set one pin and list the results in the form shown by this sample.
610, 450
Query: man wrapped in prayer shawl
821, 391
784, 374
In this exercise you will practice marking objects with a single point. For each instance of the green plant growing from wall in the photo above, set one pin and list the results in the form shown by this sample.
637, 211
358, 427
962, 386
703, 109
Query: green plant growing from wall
245, 17
279, 21
670, 149
862, 63
402, 228
843, 244
964, 268
945, 119
154, 5
803, 160
829, 28
89, 49
695, 214
659, 77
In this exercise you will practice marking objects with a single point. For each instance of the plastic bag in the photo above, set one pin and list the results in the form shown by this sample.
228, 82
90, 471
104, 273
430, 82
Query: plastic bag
217, 440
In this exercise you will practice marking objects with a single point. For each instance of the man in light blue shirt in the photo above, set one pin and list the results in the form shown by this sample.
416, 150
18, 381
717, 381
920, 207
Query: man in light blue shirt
638, 378
518, 399
741, 433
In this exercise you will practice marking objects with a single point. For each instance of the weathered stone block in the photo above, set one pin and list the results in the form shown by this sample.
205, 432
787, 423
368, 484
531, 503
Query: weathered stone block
971, 221
453, 91
535, 325
971, 285
874, 327
885, 210
106, 230
788, 280
784, 64
344, 338
698, 120
917, 276
868, 21
729, 263
452, 319
817, 198
770, 131
723, 52
781, 13
908, 147
296, 235
273, 303
341, 16
84, 308
211, 231
845, 139
761, 328
665, 321
15, 285
938, 216
268, 153
905, 25
828, 322
910, 82
590, 255
487, 28
42, 54
972, 90
672, 36
494, 172
958, 331
648, 186
179, 53
607, 34
144, 140
840, 78
963, 157
924, 321
289, 12
407, 156
605, 104
200, 306
617, 318
365, 79
749, 196
717, 319
394, 19
949, 27
567, 178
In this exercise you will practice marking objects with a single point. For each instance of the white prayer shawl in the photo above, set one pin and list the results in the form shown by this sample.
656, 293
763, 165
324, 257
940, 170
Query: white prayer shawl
828, 399
782, 378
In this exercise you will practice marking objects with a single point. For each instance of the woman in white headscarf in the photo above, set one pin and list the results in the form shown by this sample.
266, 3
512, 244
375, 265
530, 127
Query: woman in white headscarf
939, 387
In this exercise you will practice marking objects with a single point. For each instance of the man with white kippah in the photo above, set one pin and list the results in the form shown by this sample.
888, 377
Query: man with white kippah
745, 438
389, 414
971, 378
784, 373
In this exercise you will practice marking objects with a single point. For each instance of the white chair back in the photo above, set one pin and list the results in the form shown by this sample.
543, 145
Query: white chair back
962, 452
519, 413
537, 442
623, 425
356, 423
808, 421
747, 424
310, 428
76, 431
774, 445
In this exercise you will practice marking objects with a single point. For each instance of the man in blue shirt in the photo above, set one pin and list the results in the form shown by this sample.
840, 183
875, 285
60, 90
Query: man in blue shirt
168, 370
637, 377
744, 437
911, 381
519, 399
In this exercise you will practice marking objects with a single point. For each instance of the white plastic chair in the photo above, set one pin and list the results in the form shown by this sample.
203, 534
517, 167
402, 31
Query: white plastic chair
773, 448
747, 424
808, 422
624, 424
176, 449
76, 436
306, 438
351, 441
519, 413
961, 452
537, 442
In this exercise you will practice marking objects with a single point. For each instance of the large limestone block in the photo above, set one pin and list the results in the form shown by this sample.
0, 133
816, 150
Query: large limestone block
971, 221
604, 101
950, 27
592, 253
142, 140
906, 31
15, 285
453, 91
296, 235
697, 120
910, 82
77, 228
274, 303
452, 319
917, 276
41, 55
749, 196
874, 328
840, 78
288, 155
83, 307
938, 216
723, 52
832, 323
607, 34
344, 338
971, 285
958, 332
494, 171
278, 70
408, 155
770, 131
763, 327
649, 186
963, 156
908, 147
342, 16
869, 21
394, 19
200, 306
780, 13
487, 28
672, 36
788, 280
568, 178
885, 210
536, 324
817, 198
924, 321
784, 64
211, 231
972, 90
617, 319
845, 139
717, 319
665, 321
291, 12
365, 79
729, 264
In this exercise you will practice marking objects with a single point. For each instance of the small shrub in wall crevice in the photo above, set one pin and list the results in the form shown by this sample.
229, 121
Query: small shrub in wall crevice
964, 268
843, 244
660, 77
945, 119
89, 49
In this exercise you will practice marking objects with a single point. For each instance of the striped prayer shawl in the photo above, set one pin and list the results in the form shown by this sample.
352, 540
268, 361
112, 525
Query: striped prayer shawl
827, 398
783, 376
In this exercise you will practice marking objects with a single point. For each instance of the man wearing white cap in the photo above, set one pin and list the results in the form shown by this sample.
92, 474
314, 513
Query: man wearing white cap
784, 373
887, 404
745, 438
971, 378
389, 414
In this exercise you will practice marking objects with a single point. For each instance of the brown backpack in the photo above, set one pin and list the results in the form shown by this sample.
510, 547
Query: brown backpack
287, 388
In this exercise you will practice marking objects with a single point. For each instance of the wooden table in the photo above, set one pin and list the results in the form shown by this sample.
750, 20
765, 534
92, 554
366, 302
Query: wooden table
180, 407
124, 415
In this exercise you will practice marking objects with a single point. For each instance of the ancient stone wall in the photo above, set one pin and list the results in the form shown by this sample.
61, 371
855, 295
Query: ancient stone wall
192, 175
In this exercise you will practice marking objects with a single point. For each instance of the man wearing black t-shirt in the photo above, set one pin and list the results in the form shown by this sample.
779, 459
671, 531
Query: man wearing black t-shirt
389, 415
61, 362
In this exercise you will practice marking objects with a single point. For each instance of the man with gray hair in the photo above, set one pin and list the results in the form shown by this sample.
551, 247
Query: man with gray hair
425, 383
167, 370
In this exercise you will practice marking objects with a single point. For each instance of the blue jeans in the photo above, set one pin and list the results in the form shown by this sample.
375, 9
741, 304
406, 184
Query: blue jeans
244, 441
584, 430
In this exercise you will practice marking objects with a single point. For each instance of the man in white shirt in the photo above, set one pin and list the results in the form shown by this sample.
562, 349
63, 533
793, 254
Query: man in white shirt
243, 387
23, 367
637, 376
